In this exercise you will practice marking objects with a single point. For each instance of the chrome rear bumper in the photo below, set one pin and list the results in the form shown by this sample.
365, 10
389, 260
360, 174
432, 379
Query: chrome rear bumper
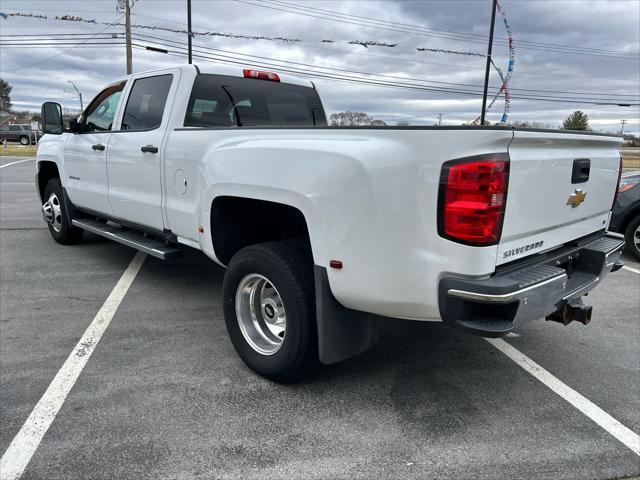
532, 289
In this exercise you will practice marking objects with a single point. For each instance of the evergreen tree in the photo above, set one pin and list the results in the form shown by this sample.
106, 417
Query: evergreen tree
576, 121
5, 96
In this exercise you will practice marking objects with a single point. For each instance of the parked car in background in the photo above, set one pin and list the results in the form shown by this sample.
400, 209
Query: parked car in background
625, 217
17, 133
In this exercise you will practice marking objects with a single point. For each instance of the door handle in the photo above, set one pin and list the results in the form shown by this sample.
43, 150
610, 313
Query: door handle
149, 149
98, 146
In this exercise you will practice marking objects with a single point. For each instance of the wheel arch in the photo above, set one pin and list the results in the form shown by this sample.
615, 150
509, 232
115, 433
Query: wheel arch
238, 221
46, 170
633, 212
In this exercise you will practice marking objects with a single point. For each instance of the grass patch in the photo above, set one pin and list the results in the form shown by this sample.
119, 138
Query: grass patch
18, 150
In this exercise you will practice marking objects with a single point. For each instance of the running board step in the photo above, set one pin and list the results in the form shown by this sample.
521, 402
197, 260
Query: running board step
139, 241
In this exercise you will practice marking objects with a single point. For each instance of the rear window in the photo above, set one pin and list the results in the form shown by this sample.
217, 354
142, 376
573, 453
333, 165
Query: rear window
145, 106
221, 101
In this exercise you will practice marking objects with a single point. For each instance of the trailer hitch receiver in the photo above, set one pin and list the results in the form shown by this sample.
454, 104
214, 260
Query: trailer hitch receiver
571, 310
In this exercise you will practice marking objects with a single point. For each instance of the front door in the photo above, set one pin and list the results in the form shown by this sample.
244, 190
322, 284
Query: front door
85, 153
135, 152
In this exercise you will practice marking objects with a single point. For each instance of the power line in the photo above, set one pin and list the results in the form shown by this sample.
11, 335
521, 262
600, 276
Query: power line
57, 44
265, 62
549, 49
177, 44
423, 31
73, 34
410, 60
50, 41
60, 53
42, 38
421, 28
386, 57
334, 78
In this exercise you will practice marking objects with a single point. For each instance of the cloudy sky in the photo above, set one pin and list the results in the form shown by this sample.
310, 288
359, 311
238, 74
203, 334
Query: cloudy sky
570, 54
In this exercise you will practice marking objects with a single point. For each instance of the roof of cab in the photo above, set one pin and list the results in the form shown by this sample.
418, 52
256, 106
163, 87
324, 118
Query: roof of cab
237, 71
232, 71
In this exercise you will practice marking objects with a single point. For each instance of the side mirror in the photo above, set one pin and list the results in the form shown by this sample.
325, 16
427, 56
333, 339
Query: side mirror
51, 117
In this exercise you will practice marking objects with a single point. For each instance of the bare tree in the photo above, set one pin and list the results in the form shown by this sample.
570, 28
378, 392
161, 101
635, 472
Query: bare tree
350, 119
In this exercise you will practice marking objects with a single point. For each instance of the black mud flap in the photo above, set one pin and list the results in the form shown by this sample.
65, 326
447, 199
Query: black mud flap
72, 211
342, 332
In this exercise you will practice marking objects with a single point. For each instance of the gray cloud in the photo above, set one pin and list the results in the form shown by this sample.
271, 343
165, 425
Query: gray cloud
611, 25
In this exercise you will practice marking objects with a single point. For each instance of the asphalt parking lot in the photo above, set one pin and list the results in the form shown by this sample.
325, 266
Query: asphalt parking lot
164, 395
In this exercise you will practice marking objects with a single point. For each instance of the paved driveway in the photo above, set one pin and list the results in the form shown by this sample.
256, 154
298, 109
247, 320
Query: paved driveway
164, 395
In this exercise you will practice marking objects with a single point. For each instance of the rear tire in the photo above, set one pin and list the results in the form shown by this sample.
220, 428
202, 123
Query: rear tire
632, 237
61, 229
25, 141
269, 310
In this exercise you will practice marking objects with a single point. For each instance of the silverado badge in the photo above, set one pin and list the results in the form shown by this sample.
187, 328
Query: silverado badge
576, 198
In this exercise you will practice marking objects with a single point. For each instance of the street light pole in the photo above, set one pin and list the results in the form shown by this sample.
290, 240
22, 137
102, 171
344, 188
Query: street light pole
488, 67
127, 28
189, 33
79, 93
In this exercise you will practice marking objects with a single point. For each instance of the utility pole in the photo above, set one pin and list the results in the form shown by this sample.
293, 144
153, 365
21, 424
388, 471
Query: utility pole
127, 28
189, 29
79, 93
439, 119
622, 122
488, 67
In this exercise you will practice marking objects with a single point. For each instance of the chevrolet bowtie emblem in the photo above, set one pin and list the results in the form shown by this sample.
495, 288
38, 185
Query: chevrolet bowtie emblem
576, 198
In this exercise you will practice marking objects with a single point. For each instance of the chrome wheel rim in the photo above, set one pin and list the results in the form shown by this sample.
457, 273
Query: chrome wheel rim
260, 313
52, 212
636, 238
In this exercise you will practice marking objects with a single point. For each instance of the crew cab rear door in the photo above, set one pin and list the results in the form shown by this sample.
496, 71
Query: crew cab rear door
134, 156
561, 188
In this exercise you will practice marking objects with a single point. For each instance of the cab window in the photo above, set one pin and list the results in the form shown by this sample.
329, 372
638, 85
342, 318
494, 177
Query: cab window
146, 102
99, 115
224, 101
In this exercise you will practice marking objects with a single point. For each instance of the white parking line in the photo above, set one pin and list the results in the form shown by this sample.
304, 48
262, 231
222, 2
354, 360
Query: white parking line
631, 269
590, 409
25, 443
19, 161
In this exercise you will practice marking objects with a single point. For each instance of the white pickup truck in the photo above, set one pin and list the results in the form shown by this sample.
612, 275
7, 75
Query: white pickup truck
324, 230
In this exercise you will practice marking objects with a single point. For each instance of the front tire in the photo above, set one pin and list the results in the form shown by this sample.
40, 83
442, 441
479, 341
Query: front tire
55, 212
632, 237
269, 310
25, 141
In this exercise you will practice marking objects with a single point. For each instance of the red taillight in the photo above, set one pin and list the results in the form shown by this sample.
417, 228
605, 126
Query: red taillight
472, 199
615, 195
260, 75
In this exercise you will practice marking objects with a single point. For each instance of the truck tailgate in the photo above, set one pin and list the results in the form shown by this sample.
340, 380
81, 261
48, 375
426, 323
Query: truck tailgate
561, 187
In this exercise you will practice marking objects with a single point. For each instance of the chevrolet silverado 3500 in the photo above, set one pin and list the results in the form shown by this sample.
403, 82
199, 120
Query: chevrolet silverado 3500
324, 230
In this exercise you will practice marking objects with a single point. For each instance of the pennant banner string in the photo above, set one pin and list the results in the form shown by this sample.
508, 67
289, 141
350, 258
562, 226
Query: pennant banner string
362, 43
